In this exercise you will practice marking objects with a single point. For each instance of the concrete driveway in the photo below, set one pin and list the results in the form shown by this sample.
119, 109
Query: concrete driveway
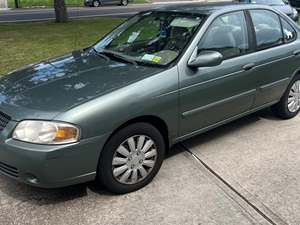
246, 172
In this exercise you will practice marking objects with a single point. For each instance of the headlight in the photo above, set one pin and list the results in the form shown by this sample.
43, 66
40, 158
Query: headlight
46, 132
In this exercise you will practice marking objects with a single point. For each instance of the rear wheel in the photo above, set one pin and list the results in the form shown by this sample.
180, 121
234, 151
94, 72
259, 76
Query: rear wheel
131, 158
96, 3
289, 105
124, 2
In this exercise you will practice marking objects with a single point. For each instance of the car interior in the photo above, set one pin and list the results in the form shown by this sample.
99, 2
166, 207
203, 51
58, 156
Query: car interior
165, 38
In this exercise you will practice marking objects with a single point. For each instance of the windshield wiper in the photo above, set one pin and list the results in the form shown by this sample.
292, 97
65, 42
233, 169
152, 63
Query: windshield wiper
101, 54
118, 56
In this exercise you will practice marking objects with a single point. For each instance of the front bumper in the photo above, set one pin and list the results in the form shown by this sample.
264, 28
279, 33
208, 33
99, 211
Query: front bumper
50, 166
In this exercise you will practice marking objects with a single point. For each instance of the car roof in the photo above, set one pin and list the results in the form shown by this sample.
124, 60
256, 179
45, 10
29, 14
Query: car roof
209, 8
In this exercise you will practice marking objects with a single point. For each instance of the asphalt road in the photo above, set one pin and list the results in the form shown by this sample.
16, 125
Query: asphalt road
74, 13
246, 172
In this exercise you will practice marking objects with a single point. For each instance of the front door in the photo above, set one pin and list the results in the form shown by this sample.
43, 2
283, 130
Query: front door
209, 95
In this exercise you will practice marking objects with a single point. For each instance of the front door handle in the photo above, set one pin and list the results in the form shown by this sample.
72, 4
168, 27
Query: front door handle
296, 52
248, 66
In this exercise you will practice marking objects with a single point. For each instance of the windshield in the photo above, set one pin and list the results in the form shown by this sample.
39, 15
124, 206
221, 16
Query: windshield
153, 38
269, 2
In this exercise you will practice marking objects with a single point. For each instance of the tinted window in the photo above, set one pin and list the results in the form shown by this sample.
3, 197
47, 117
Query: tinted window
289, 33
267, 28
227, 35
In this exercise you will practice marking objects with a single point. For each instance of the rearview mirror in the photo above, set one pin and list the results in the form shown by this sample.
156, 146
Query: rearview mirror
206, 59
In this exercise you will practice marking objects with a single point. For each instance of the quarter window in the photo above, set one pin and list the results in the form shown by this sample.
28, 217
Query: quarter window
289, 33
267, 28
227, 35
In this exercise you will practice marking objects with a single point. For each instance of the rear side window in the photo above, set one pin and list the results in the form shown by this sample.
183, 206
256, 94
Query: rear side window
267, 28
227, 35
289, 32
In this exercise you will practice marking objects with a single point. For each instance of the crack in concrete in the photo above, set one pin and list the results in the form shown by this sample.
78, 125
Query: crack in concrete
248, 199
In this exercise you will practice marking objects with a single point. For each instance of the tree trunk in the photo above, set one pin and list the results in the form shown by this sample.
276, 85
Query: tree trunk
17, 5
60, 11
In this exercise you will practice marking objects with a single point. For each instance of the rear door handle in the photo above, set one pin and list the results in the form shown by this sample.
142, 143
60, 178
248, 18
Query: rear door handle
296, 52
248, 66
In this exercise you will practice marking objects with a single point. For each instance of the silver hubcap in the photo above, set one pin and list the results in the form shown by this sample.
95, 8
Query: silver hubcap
134, 159
294, 97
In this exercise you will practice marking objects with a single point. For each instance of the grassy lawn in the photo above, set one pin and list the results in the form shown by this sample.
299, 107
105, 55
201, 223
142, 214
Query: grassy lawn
27, 43
49, 3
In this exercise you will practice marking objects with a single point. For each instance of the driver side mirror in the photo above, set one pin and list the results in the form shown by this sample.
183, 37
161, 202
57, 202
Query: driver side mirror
206, 59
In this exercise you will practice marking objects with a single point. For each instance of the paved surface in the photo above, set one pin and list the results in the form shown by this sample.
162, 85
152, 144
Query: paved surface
260, 157
181, 194
246, 172
48, 14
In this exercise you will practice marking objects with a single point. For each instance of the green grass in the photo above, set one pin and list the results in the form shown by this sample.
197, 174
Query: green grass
27, 43
49, 3
140, 1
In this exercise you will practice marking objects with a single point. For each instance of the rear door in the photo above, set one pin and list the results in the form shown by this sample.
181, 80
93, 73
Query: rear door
276, 55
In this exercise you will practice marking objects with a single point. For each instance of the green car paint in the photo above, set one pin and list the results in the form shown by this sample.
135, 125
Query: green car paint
100, 95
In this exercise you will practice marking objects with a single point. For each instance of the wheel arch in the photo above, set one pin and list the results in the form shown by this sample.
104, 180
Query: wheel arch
155, 121
296, 73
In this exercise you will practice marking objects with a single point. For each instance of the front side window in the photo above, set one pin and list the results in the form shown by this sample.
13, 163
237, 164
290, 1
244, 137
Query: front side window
154, 37
289, 32
267, 28
227, 35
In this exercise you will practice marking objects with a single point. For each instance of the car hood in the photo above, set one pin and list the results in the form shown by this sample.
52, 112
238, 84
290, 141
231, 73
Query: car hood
43, 90
286, 9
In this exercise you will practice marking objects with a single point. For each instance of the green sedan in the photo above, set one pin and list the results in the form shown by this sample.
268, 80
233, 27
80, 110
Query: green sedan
111, 111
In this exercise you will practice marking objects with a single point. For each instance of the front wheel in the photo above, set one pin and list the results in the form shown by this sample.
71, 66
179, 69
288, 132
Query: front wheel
289, 105
131, 158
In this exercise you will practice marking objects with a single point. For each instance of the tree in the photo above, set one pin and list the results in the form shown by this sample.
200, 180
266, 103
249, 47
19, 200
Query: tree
17, 4
60, 11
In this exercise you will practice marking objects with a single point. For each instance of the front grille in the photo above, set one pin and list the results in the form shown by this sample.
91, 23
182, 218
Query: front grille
9, 170
4, 119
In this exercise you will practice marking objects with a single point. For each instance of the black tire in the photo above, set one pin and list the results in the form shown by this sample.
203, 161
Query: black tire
96, 3
124, 2
105, 168
281, 108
